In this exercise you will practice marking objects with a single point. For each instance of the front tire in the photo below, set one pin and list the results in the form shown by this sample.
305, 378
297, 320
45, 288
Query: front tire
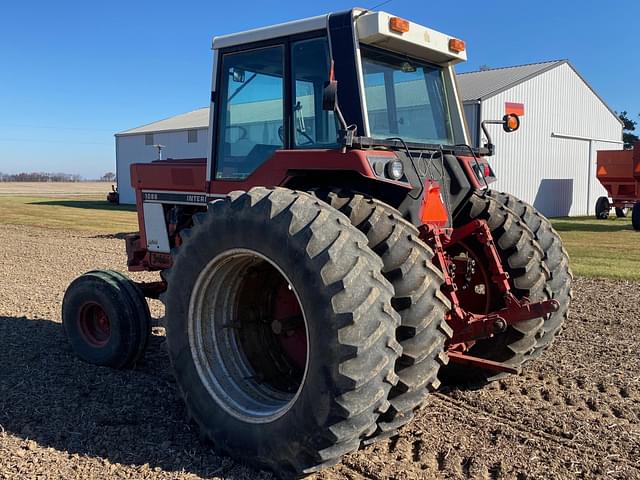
106, 319
236, 355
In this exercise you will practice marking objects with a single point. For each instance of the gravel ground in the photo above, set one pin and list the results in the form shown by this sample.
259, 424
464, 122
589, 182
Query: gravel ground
575, 413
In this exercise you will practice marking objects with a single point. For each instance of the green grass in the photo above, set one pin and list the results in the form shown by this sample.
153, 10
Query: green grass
598, 248
81, 213
601, 248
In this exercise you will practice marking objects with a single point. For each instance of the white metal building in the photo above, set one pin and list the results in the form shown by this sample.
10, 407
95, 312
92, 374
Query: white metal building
551, 161
182, 136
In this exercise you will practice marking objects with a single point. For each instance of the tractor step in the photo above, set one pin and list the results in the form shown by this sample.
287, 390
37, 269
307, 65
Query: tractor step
463, 359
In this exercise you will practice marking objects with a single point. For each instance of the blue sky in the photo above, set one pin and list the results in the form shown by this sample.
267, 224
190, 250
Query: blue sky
74, 73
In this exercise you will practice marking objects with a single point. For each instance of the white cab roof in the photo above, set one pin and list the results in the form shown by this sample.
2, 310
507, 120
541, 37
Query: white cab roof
273, 31
372, 28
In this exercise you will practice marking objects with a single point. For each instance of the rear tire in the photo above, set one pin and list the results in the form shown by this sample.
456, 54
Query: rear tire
522, 258
556, 259
635, 216
423, 331
621, 212
259, 411
602, 208
106, 319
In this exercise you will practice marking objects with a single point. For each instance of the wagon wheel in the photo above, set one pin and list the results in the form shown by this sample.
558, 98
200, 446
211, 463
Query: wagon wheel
602, 208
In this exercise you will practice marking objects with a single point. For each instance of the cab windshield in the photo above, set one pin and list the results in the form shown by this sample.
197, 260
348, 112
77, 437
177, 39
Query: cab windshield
405, 98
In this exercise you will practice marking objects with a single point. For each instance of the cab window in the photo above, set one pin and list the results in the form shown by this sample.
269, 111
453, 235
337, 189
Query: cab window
312, 126
251, 111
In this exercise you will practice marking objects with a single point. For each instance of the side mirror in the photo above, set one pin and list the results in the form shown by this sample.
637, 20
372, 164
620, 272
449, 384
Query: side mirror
510, 122
330, 96
238, 75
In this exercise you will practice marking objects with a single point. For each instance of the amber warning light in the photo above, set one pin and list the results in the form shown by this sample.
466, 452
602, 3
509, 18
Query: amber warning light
398, 25
456, 45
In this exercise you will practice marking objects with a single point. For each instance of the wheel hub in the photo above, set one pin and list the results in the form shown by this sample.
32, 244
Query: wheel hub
94, 324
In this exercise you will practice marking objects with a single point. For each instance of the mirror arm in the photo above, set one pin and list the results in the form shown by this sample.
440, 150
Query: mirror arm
506, 126
489, 145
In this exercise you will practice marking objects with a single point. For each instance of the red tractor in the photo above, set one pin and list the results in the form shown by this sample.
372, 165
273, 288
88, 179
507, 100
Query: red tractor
339, 252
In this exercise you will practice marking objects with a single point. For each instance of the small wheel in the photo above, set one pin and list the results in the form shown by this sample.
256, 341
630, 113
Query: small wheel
635, 217
602, 208
106, 319
621, 212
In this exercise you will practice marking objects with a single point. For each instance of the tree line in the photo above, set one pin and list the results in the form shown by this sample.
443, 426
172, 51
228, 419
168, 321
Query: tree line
40, 177
51, 177
628, 129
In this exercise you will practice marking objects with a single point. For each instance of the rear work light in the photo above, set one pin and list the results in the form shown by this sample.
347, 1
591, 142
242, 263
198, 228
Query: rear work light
456, 45
398, 25
433, 210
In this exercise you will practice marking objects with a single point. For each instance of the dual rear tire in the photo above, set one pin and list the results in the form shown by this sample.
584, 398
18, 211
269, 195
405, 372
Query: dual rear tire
423, 332
538, 266
291, 382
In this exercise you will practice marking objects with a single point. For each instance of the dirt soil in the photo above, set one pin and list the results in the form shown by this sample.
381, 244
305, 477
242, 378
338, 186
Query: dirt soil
575, 413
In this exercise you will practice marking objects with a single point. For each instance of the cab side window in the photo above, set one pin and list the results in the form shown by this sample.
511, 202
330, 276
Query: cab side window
312, 126
251, 111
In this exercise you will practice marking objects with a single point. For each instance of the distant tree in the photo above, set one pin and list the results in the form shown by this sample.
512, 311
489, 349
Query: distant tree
629, 126
40, 177
108, 177
484, 67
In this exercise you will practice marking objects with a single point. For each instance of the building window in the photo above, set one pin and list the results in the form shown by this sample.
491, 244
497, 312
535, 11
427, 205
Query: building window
148, 138
192, 136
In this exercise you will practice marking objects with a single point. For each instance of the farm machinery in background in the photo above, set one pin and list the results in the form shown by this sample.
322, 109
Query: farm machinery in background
619, 173
339, 253
113, 196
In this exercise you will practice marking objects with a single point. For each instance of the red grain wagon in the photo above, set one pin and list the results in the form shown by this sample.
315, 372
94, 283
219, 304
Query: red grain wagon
619, 172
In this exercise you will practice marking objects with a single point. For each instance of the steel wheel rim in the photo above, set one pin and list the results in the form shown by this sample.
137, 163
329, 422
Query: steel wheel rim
218, 352
94, 324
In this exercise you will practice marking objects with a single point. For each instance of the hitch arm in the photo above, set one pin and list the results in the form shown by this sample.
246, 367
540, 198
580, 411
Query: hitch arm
484, 326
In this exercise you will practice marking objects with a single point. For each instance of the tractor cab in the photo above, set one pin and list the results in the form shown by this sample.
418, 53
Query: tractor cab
395, 84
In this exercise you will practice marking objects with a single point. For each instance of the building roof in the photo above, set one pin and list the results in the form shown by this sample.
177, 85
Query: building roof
186, 121
483, 84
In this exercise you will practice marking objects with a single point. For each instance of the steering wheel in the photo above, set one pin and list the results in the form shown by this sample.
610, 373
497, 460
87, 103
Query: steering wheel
309, 139
243, 131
